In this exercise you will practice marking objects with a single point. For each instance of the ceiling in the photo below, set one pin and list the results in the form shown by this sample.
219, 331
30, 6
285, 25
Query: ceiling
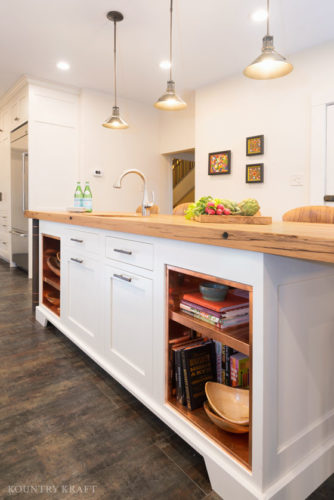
212, 39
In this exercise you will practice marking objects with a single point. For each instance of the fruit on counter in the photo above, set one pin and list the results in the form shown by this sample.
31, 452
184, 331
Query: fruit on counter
249, 206
218, 206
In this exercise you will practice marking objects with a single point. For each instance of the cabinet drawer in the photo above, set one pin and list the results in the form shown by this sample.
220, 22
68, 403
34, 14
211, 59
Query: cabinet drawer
131, 252
82, 240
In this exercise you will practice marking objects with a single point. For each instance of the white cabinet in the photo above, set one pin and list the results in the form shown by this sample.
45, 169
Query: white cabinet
129, 325
19, 109
80, 296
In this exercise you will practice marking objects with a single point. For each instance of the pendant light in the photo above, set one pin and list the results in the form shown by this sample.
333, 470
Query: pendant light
170, 101
115, 121
270, 64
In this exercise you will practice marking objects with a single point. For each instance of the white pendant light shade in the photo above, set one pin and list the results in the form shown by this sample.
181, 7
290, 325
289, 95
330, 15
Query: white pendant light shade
115, 122
270, 64
170, 101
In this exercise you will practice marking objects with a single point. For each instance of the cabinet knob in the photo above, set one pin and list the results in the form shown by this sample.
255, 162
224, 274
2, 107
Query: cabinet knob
16, 118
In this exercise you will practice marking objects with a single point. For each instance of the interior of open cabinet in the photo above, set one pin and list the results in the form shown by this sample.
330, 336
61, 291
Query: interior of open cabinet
179, 282
51, 273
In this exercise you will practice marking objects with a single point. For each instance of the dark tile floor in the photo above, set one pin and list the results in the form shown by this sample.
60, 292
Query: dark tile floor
66, 424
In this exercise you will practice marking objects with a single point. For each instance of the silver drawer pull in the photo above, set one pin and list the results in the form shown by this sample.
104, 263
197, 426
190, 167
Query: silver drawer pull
119, 250
79, 261
76, 240
121, 277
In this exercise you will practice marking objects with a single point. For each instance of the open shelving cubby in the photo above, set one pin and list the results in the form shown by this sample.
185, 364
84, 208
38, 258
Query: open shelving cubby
51, 275
180, 281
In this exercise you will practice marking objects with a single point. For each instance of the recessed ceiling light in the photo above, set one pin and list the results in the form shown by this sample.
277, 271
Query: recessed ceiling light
259, 15
63, 65
164, 64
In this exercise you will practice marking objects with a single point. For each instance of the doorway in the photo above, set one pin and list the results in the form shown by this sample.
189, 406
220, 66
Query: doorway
183, 177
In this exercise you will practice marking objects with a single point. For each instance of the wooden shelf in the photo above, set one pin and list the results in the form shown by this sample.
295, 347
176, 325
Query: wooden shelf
236, 445
236, 337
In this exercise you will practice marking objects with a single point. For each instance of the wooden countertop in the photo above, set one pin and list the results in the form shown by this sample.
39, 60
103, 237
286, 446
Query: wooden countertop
290, 239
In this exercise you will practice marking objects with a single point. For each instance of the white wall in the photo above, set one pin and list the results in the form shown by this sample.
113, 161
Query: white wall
113, 151
228, 112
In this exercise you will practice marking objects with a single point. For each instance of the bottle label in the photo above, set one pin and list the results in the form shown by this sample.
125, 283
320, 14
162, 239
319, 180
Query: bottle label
88, 204
78, 202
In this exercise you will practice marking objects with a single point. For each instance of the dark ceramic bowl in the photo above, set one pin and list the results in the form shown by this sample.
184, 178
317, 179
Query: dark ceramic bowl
213, 291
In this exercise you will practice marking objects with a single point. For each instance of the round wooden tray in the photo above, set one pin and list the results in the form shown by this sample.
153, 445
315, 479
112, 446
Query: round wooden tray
53, 264
53, 298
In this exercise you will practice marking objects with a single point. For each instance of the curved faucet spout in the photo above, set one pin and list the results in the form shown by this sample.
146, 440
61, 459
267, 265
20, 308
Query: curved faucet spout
145, 203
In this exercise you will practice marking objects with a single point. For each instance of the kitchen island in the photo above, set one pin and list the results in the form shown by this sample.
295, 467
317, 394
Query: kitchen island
117, 283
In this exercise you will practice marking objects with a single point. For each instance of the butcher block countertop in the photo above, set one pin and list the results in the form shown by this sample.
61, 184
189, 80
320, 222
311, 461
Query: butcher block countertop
289, 239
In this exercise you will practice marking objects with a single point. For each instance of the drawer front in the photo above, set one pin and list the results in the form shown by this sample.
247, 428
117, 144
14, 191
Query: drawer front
82, 240
131, 252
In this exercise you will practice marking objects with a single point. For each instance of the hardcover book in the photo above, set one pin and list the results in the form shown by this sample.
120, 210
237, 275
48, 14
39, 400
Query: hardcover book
231, 302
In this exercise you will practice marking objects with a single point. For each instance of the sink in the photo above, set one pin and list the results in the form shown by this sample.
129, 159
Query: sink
113, 214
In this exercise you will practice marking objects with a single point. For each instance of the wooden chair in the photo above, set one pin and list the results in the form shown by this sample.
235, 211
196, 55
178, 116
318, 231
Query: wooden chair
319, 214
180, 209
153, 210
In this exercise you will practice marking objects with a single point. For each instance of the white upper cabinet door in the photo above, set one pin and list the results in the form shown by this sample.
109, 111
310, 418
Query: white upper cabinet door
129, 325
19, 110
80, 296
329, 190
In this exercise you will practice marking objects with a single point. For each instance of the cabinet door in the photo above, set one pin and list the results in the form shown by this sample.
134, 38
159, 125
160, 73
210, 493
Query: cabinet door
80, 296
129, 325
19, 110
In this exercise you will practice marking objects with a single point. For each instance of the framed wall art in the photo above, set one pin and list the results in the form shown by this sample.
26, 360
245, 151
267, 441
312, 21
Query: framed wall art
255, 145
254, 173
219, 163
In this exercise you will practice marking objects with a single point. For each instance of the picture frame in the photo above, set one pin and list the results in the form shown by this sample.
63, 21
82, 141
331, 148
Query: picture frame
219, 163
255, 173
255, 145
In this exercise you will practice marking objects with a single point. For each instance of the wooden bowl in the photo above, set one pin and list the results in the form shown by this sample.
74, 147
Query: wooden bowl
230, 403
53, 298
53, 264
223, 424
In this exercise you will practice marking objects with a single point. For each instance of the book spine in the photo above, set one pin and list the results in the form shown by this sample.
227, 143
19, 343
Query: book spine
218, 347
186, 380
178, 376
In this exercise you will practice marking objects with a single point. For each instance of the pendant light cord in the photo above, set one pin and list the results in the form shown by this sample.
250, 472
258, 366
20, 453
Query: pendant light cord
171, 40
267, 17
115, 82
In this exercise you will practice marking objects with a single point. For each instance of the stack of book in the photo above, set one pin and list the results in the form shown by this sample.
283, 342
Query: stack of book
195, 361
232, 311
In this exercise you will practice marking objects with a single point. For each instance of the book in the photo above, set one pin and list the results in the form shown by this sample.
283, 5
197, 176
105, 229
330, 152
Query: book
239, 369
223, 323
198, 363
242, 309
228, 353
218, 348
232, 301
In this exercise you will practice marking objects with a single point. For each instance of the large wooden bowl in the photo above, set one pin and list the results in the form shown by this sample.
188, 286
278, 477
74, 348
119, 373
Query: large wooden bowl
223, 424
230, 403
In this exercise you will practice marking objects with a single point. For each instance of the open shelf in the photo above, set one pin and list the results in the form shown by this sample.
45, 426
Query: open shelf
236, 337
239, 337
235, 444
50, 279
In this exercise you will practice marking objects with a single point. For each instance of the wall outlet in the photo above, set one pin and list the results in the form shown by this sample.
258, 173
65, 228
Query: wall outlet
98, 172
297, 180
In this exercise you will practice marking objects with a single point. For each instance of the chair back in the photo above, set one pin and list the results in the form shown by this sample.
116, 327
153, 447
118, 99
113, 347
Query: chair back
180, 209
318, 214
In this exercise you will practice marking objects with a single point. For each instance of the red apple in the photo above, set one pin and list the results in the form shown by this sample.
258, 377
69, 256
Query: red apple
227, 211
211, 211
220, 207
219, 211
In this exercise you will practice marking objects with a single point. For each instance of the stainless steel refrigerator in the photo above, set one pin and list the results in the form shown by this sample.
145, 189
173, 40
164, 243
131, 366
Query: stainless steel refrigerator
19, 195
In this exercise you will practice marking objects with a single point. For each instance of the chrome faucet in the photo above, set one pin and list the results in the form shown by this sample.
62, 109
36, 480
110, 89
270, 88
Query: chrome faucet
145, 203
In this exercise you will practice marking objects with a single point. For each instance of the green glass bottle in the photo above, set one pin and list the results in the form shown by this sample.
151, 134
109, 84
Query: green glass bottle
87, 198
78, 196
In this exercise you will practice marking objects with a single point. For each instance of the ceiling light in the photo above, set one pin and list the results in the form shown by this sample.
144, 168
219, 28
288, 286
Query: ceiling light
170, 101
165, 64
259, 15
115, 121
270, 64
63, 65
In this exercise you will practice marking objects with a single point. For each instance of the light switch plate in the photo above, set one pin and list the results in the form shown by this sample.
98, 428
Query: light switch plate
98, 172
297, 180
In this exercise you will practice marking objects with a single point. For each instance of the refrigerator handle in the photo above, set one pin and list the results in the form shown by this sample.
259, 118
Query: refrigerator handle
24, 156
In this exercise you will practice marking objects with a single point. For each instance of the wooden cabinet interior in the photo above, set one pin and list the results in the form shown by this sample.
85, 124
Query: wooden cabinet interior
180, 281
50, 278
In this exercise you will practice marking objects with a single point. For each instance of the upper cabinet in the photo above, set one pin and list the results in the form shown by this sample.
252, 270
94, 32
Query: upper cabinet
19, 109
